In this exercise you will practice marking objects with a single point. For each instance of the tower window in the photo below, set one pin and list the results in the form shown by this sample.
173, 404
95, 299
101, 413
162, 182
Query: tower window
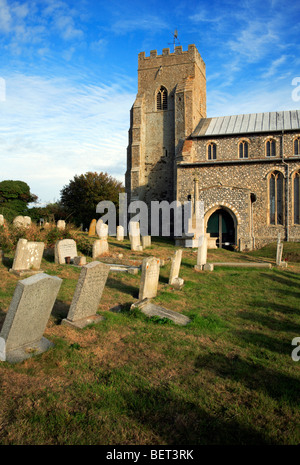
211, 151
271, 148
162, 99
276, 198
243, 149
297, 146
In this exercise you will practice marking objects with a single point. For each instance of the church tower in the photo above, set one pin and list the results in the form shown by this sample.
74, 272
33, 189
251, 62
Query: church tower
171, 100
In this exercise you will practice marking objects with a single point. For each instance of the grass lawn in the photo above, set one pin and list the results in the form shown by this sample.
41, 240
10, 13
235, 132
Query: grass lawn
226, 378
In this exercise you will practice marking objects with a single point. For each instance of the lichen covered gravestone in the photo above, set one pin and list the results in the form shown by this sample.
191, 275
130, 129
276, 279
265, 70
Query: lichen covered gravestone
28, 257
87, 295
149, 278
21, 336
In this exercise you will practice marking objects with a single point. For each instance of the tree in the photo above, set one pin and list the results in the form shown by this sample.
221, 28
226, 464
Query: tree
14, 198
52, 212
81, 196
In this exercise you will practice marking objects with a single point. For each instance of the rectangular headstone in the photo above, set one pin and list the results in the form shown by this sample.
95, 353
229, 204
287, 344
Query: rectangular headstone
87, 295
149, 278
120, 233
146, 241
28, 256
27, 317
202, 251
65, 248
100, 247
135, 236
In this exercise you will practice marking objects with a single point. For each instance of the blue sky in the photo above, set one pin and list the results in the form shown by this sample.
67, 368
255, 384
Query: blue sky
68, 75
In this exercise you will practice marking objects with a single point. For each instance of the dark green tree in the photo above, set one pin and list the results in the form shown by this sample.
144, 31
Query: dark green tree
14, 198
80, 197
52, 212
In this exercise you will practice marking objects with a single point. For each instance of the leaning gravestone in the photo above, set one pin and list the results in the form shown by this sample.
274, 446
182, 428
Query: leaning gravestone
28, 257
174, 279
92, 228
87, 295
63, 249
149, 278
21, 336
100, 247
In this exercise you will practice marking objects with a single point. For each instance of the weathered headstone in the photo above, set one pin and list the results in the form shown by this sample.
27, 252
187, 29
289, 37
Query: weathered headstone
18, 221
79, 261
149, 309
28, 257
92, 228
61, 224
100, 247
2, 220
279, 251
21, 336
149, 278
103, 231
135, 236
27, 221
120, 233
201, 254
146, 241
174, 279
63, 249
87, 295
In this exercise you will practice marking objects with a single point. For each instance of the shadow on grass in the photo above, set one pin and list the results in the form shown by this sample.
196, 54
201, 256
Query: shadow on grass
284, 309
270, 322
113, 283
60, 311
176, 421
253, 376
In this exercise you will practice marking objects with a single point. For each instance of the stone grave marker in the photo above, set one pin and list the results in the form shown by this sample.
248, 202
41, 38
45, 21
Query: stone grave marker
103, 231
26, 319
100, 247
2, 220
92, 228
28, 257
146, 241
61, 224
87, 295
174, 279
201, 254
135, 236
27, 221
63, 249
149, 278
149, 309
18, 221
120, 233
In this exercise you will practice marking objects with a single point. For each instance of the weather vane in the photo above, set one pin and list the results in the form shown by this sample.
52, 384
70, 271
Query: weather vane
175, 37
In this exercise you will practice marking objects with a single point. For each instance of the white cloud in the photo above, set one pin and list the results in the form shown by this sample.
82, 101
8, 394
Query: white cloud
52, 129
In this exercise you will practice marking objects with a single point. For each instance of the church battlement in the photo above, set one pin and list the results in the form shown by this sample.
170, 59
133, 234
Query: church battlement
174, 57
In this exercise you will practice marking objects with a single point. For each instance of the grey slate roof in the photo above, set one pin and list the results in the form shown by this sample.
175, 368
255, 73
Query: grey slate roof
249, 123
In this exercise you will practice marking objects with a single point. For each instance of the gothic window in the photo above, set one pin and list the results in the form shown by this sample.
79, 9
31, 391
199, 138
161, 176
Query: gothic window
297, 146
296, 197
271, 148
211, 151
243, 149
276, 198
162, 99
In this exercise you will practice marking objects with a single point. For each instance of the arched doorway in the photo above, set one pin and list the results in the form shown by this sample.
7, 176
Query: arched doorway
221, 225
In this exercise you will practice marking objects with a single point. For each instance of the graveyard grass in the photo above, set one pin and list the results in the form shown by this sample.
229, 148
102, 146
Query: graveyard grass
226, 378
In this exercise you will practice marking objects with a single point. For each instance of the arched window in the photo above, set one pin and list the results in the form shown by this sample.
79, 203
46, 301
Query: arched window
297, 146
276, 197
296, 197
243, 149
162, 99
211, 151
271, 148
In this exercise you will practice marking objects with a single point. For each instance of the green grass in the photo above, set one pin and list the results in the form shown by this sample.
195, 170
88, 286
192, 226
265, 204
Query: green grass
226, 378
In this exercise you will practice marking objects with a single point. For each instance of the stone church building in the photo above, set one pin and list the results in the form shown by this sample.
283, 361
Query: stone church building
245, 168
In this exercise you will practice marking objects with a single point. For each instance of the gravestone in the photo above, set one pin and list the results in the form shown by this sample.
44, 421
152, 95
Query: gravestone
26, 319
28, 257
146, 241
135, 236
79, 261
87, 295
61, 224
174, 279
149, 278
102, 231
201, 254
92, 228
1, 220
120, 233
63, 249
149, 309
100, 247
279, 251
18, 221
27, 221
